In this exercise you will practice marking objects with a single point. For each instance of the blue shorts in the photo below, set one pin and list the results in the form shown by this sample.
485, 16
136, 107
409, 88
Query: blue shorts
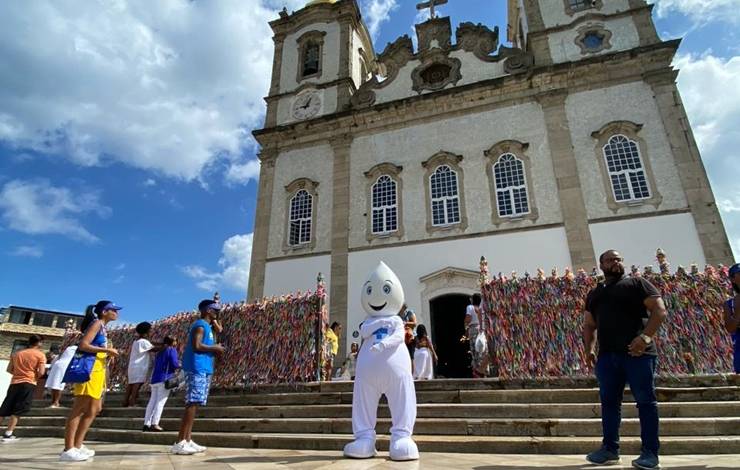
197, 386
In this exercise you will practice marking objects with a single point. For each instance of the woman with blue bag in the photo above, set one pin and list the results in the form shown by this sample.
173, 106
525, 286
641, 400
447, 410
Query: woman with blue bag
86, 372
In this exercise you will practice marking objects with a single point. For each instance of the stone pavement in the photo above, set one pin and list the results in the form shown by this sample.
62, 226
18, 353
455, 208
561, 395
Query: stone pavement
42, 453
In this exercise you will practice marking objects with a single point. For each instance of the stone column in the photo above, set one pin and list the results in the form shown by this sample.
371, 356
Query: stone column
691, 170
340, 235
572, 204
345, 64
537, 40
262, 225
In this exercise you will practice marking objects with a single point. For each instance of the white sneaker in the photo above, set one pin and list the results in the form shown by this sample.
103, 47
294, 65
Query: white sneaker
73, 455
182, 448
85, 451
198, 449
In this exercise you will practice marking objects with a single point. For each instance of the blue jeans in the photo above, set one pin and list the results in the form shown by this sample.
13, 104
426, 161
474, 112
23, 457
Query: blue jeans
613, 370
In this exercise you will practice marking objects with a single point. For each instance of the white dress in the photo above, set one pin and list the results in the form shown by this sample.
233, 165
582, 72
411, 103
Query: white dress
423, 364
59, 367
139, 361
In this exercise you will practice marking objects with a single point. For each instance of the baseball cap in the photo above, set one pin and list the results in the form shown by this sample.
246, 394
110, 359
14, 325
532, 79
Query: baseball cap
734, 269
104, 305
208, 304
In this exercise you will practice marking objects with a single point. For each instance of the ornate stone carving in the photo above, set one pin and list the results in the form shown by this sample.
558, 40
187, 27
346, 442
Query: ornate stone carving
396, 55
434, 33
478, 39
516, 60
595, 30
436, 72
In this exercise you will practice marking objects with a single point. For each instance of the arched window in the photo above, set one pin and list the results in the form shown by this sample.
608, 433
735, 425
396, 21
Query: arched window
385, 206
311, 58
301, 210
625, 168
445, 196
310, 46
511, 186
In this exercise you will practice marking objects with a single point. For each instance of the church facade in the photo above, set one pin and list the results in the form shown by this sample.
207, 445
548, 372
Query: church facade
570, 142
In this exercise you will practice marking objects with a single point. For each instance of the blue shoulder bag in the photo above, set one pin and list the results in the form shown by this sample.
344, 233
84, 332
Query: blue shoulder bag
79, 368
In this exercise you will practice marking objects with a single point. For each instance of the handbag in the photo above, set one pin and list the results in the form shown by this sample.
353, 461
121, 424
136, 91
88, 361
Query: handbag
79, 368
173, 382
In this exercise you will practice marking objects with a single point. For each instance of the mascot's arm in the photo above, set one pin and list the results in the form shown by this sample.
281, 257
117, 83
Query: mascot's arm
396, 336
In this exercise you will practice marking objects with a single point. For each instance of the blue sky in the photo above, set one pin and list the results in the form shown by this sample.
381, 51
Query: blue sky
127, 168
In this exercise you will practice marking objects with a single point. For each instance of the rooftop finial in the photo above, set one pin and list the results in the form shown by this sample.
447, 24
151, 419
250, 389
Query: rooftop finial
431, 4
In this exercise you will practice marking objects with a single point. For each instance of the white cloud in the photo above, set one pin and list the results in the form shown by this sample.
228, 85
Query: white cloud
171, 86
150, 182
120, 267
729, 205
239, 173
377, 12
236, 255
702, 11
30, 251
35, 207
710, 89
119, 279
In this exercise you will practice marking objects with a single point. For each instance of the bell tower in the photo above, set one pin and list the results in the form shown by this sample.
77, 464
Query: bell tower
556, 31
323, 53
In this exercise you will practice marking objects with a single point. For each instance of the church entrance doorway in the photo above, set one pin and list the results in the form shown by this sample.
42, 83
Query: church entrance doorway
447, 314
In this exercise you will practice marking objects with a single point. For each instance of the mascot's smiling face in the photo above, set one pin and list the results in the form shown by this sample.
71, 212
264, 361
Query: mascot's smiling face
382, 294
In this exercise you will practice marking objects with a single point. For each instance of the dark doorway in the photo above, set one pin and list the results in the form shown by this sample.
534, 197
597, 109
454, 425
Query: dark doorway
448, 326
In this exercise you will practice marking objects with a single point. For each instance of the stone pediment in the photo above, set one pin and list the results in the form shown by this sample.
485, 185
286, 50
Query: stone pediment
438, 64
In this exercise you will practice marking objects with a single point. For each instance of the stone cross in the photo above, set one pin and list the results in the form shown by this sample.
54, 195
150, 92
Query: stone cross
430, 4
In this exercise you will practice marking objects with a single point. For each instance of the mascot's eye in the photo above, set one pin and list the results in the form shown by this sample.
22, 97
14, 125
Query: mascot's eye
369, 290
387, 289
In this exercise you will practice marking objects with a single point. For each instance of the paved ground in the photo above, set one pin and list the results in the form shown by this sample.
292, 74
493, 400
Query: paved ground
42, 453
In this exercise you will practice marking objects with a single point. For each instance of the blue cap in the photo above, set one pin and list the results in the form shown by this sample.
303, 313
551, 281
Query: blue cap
734, 269
207, 304
111, 306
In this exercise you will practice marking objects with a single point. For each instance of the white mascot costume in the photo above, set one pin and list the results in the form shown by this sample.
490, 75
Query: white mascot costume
383, 368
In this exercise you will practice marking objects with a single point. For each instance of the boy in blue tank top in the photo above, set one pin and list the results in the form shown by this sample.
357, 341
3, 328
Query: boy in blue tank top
197, 363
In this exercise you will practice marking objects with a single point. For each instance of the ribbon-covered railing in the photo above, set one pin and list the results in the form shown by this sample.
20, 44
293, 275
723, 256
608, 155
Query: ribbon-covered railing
271, 341
535, 323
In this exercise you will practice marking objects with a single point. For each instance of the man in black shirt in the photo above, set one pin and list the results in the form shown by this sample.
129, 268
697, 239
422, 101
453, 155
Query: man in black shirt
617, 312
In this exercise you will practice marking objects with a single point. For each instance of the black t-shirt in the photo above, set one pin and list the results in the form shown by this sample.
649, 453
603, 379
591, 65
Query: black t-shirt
620, 313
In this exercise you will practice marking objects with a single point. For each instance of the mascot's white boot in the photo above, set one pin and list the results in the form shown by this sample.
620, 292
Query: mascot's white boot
383, 368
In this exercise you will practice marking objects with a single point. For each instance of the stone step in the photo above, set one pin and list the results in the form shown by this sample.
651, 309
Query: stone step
665, 394
690, 381
712, 380
670, 445
426, 410
424, 426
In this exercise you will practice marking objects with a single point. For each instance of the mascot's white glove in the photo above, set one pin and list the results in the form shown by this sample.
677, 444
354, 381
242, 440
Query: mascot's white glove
378, 347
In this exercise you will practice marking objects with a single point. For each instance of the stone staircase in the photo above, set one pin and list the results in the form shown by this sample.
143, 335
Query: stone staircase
699, 415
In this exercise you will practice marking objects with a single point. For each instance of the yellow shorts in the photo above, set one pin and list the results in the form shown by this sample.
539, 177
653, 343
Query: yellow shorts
96, 385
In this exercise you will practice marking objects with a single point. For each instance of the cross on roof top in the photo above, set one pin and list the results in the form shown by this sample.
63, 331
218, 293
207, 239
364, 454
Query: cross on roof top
430, 4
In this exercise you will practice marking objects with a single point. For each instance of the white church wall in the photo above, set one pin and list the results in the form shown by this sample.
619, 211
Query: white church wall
328, 105
638, 239
523, 251
291, 52
553, 11
563, 47
470, 136
589, 111
298, 274
474, 70
5, 378
400, 87
314, 163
